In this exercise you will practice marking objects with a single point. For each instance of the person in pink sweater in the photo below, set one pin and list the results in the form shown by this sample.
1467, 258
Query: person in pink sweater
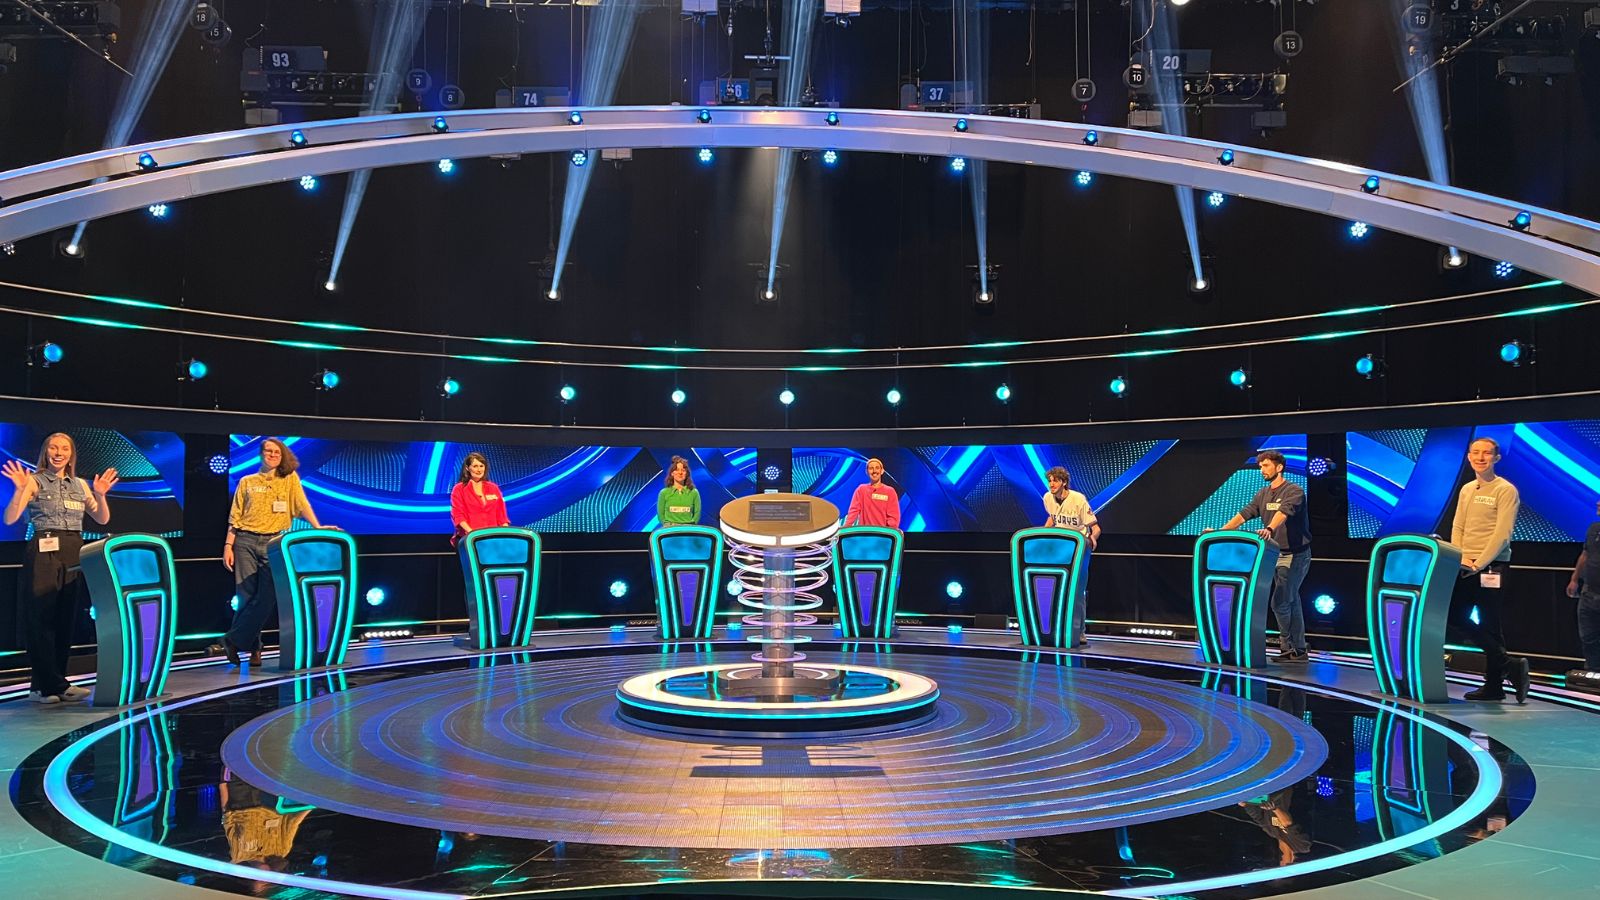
874, 503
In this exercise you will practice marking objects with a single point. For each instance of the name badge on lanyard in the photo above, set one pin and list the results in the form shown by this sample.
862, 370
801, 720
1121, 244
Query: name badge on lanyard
1489, 579
49, 544
280, 506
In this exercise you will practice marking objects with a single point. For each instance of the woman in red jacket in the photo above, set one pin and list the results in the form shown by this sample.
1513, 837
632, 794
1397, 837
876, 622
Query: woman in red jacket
476, 502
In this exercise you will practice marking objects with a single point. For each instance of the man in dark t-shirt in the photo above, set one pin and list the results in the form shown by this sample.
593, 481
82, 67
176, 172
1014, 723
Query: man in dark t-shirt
1585, 586
1281, 506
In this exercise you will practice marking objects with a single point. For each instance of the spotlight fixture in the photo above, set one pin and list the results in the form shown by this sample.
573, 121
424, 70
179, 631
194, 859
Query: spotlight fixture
330, 285
703, 117
1225, 157
679, 397
580, 158
1118, 386
786, 397
449, 387
195, 369
440, 126
308, 183
1318, 466
297, 138
1199, 284
706, 156
829, 157
766, 293
1371, 184
954, 590
568, 393
961, 125
1003, 393
1324, 604
1451, 258
1091, 138
1215, 199
1084, 178
893, 397
575, 118
1521, 221
146, 162
376, 596
958, 164
217, 464
158, 210
1504, 269
619, 589
49, 353
1239, 378
1369, 366
1180, 2
1514, 353
71, 248
1358, 230
832, 118
325, 380
8, 248
446, 166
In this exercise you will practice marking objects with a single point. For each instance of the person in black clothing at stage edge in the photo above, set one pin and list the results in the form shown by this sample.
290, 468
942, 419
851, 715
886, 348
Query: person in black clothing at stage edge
1486, 512
1281, 506
1585, 588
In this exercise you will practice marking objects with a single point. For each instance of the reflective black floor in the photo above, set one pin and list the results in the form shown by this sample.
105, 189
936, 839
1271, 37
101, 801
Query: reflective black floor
1386, 785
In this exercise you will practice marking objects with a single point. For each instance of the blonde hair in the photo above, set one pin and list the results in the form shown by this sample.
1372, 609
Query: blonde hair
71, 468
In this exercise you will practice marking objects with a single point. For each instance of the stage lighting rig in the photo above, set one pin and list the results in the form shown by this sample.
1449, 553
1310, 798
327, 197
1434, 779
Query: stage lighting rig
1198, 87
54, 20
956, 97
275, 76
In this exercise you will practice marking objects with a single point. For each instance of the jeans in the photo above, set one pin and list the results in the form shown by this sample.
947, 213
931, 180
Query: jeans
1589, 627
252, 579
1286, 580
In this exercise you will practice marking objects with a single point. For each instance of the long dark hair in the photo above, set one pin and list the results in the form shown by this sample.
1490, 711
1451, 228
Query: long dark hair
467, 462
288, 462
688, 476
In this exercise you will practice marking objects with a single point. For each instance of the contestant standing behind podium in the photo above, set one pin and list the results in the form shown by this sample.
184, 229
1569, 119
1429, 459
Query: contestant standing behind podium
874, 503
1585, 588
265, 504
1067, 508
475, 501
56, 499
679, 501
1486, 513
1281, 506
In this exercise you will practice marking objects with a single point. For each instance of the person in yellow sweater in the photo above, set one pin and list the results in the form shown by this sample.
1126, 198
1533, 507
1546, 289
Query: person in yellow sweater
1486, 513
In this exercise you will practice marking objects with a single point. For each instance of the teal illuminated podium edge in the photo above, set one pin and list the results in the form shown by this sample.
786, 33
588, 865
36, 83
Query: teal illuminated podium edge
1408, 656
1252, 587
119, 629
480, 570
878, 621
296, 583
1066, 593
664, 572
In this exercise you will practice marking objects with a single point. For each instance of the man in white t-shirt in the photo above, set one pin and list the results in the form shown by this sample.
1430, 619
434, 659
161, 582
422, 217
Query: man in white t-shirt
1066, 508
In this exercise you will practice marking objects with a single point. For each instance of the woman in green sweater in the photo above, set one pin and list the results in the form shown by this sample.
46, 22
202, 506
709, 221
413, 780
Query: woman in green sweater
679, 502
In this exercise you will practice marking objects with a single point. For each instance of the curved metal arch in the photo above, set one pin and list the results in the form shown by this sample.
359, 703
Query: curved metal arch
95, 185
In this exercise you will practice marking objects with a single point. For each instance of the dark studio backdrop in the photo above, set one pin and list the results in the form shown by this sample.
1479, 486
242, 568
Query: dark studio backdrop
877, 253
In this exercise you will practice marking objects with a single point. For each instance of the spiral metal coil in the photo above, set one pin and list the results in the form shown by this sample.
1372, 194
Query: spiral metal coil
784, 596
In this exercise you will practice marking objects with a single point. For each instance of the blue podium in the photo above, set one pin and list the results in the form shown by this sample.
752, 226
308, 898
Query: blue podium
866, 579
686, 566
314, 573
144, 769
1049, 572
1410, 773
501, 569
133, 587
1409, 583
1232, 590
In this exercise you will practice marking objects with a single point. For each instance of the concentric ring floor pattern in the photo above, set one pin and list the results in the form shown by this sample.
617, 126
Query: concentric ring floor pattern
535, 750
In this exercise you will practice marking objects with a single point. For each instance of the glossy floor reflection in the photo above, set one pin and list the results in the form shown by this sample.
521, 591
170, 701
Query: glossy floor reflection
1371, 805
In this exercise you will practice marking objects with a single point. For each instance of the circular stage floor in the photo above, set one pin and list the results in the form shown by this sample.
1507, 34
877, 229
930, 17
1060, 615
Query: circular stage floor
512, 773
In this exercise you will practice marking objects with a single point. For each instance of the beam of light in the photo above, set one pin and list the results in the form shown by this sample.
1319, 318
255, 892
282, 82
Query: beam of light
1415, 56
799, 18
394, 35
160, 25
1164, 34
972, 65
610, 34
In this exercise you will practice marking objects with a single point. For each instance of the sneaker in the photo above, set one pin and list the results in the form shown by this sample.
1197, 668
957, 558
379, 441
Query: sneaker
1517, 674
73, 692
1486, 692
46, 699
1294, 656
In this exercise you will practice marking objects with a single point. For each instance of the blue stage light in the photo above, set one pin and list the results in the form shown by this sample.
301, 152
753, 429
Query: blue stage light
893, 397
832, 118
157, 210
961, 125
786, 397
575, 118
328, 379
958, 164
1325, 604
1003, 393
953, 590
93, 616
446, 166
1358, 230
1091, 138
1324, 786
580, 158
1119, 385
376, 596
330, 285
297, 138
1522, 220
52, 353
1511, 352
735, 588
320, 860
1370, 185
1504, 269
198, 369
1239, 378
1225, 157
829, 157
217, 464
1318, 466
440, 126
619, 629
735, 627
568, 393
146, 162
706, 156
1215, 199
619, 589
233, 604
1084, 179
703, 117
1366, 366
1472, 616
678, 397
449, 387
308, 183
953, 628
